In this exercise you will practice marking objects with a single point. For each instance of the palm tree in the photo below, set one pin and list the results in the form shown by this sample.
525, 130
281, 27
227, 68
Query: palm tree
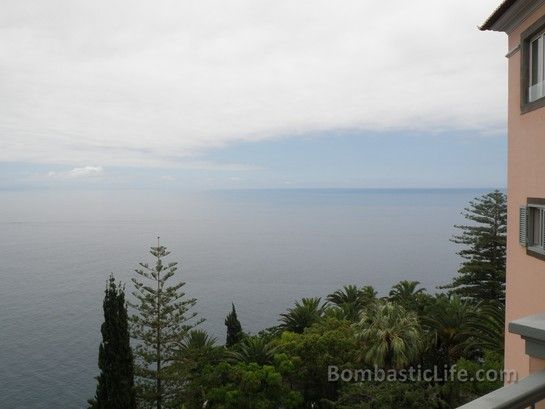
254, 349
348, 311
302, 315
195, 353
391, 335
198, 349
448, 320
486, 328
368, 294
406, 293
349, 294
349, 302
198, 339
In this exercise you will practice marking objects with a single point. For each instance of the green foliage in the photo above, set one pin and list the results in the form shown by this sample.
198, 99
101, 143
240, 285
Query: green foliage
160, 324
198, 340
330, 342
390, 395
482, 275
349, 294
344, 312
486, 328
234, 329
115, 389
304, 314
198, 351
449, 320
409, 296
249, 386
492, 363
391, 336
349, 302
270, 334
254, 349
405, 292
368, 294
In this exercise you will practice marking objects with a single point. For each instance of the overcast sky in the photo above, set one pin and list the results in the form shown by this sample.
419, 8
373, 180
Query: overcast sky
251, 93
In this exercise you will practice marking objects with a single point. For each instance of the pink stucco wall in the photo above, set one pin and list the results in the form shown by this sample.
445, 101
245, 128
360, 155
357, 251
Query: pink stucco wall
526, 178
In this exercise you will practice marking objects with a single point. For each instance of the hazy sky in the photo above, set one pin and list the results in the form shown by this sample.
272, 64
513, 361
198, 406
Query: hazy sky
251, 93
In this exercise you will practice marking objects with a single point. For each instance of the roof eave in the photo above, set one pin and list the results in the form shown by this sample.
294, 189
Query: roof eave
491, 22
510, 14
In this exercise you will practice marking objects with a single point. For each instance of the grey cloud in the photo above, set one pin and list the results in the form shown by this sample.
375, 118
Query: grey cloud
160, 82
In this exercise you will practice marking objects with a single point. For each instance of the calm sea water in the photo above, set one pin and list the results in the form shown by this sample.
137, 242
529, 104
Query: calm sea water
261, 250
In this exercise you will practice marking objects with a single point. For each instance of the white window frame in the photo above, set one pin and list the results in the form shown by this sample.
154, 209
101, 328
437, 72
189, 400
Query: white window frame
537, 91
527, 225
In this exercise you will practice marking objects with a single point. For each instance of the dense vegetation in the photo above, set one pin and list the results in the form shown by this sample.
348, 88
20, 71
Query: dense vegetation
287, 366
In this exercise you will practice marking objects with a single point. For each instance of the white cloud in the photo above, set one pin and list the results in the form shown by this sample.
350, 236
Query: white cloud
158, 83
78, 173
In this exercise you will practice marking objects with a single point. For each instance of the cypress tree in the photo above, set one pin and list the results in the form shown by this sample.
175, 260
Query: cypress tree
115, 389
481, 276
234, 329
159, 325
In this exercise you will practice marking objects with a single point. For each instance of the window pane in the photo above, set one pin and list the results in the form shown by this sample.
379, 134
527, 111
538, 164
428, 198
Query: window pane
534, 58
540, 59
536, 86
536, 227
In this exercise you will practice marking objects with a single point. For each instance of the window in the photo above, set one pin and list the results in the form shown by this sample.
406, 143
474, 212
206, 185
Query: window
532, 227
536, 227
536, 87
532, 67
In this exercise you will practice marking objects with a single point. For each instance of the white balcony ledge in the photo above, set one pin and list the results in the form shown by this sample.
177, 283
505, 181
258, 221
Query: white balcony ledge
530, 390
532, 330
522, 394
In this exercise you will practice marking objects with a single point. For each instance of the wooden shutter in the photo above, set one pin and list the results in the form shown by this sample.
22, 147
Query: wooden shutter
523, 226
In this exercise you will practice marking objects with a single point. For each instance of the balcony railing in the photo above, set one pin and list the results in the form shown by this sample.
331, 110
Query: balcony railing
522, 394
529, 391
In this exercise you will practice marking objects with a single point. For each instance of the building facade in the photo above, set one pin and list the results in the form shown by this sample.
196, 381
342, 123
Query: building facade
524, 23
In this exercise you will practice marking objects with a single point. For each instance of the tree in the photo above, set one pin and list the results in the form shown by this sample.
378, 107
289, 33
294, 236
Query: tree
368, 294
391, 336
349, 294
410, 296
302, 315
160, 324
348, 302
486, 328
449, 320
476, 386
330, 342
250, 386
234, 329
198, 344
344, 312
115, 389
481, 276
405, 292
254, 349
371, 395
197, 352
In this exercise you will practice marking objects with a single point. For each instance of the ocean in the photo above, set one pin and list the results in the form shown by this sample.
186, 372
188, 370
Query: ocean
261, 249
